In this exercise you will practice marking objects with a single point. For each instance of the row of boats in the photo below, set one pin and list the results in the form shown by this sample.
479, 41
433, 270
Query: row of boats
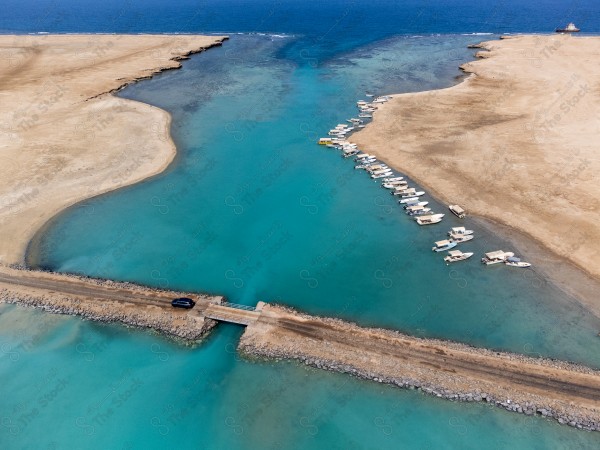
459, 235
408, 197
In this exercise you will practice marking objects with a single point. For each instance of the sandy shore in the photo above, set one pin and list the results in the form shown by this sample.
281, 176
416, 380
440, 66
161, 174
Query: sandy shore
516, 143
63, 136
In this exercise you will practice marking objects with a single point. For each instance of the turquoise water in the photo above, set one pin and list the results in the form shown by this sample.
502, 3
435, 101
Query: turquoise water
92, 386
253, 209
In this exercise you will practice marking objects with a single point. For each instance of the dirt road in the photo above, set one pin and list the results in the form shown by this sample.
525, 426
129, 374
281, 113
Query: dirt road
565, 391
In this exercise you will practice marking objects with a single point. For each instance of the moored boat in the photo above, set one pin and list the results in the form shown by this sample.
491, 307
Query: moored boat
461, 238
416, 202
442, 246
457, 255
417, 210
409, 200
496, 257
378, 168
393, 184
458, 211
459, 231
570, 28
429, 220
348, 152
412, 193
516, 262
381, 175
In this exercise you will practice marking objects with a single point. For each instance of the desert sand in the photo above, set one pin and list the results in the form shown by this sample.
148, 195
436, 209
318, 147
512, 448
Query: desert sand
515, 142
63, 136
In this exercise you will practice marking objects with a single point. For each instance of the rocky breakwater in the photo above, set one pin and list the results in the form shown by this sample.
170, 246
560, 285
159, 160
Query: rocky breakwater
566, 392
107, 301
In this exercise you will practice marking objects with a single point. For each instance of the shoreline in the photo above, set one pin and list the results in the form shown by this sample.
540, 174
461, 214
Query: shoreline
428, 154
578, 284
568, 277
31, 256
115, 142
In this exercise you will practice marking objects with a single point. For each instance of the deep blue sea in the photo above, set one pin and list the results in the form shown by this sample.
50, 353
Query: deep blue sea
254, 210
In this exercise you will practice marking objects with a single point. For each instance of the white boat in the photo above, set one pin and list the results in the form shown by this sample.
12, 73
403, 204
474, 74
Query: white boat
516, 262
570, 28
496, 257
459, 231
379, 168
412, 193
369, 95
365, 116
409, 200
429, 220
458, 238
363, 155
380, 173
457, 255
394, 179
400, 191
415, 203
364, 165
394, 185
417, 210
442, 246
349, 152
385, 174
458, 211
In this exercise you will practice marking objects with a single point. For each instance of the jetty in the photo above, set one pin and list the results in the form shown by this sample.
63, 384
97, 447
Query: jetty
567, 392
107, 301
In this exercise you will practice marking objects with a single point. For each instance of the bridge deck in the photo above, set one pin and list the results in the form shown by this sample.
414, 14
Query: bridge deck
231, 314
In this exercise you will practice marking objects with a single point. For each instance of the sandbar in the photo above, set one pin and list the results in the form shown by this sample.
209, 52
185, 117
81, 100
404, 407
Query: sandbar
63, 136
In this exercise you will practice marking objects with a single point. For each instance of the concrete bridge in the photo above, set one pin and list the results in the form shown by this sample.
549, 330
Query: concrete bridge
233, 313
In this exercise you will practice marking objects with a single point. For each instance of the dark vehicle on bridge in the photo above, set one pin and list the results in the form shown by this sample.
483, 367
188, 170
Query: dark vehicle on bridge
183, 302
